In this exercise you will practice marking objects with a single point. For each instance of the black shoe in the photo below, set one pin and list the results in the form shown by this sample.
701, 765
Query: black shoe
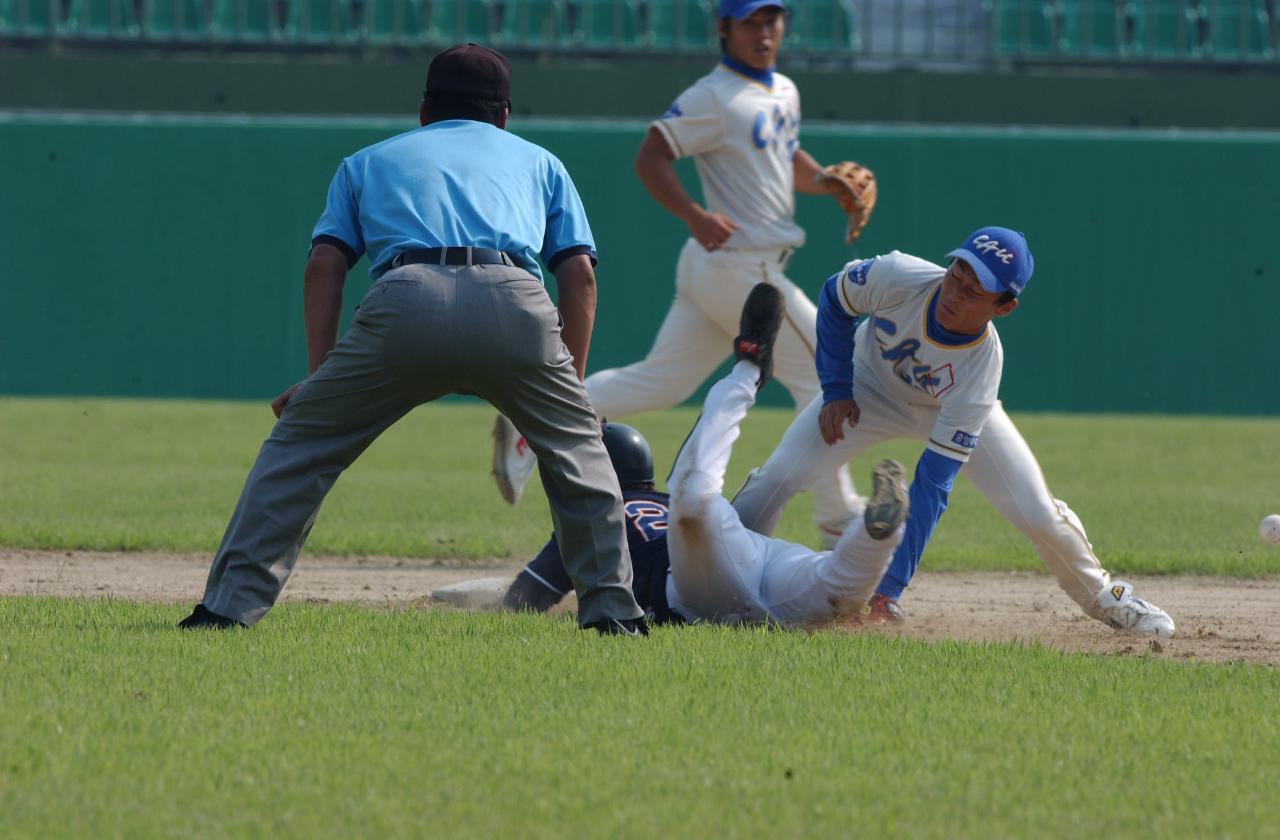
761, 318
619, 627
202, 619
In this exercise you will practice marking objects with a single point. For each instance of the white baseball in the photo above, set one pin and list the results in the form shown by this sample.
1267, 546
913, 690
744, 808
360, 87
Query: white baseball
1269, 528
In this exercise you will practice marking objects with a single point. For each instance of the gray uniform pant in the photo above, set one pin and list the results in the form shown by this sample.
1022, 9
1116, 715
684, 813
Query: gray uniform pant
420, 333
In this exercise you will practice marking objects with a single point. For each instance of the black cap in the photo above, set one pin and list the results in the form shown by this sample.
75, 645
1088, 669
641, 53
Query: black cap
470, 70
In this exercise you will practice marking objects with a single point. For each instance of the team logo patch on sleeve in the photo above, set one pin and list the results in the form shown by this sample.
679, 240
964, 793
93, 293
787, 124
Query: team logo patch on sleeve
964, 439
858, 274
673, 111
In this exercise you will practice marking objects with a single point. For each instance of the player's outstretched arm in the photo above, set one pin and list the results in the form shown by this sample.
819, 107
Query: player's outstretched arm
928, 496
541, 584
576, 281
655, 166
806, 171
834, 362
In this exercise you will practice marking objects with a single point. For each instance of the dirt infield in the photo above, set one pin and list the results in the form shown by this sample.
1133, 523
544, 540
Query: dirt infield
1219, 619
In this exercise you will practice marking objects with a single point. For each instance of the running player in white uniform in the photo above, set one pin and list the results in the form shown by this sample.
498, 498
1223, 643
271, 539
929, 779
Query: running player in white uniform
741, 125
926, 363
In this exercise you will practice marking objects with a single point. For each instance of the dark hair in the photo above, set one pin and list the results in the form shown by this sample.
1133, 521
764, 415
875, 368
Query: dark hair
451, 106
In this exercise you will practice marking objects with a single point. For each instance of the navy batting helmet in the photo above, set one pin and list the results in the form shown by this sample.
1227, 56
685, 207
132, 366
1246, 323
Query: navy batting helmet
629, 452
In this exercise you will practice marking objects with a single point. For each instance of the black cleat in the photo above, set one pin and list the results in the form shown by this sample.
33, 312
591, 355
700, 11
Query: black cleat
619, 627
761, 318
202, 619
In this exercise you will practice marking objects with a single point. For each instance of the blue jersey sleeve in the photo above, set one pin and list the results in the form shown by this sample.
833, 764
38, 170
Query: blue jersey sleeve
567, 231
935, 474
834, 356
341, 218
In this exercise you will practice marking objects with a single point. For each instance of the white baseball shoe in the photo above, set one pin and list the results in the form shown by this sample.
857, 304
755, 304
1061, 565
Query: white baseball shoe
1125, 611
513, 460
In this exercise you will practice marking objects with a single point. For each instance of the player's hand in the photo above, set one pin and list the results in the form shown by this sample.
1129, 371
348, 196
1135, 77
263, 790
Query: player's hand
278, 404
710, 230
834, 415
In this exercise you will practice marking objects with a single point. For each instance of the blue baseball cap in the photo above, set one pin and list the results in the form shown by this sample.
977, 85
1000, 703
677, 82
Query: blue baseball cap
739, 9
1000, 257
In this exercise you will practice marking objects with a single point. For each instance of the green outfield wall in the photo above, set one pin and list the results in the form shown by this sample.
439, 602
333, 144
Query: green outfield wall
163, 256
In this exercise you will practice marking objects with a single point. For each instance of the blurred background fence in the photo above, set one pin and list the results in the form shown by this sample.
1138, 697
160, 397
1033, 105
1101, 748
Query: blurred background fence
925, 32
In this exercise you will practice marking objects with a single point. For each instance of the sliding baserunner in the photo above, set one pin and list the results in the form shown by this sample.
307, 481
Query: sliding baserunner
694, 560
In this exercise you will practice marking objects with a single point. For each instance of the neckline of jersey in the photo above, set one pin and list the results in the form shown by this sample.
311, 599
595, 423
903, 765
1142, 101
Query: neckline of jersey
458, 122
764, 77
940, 335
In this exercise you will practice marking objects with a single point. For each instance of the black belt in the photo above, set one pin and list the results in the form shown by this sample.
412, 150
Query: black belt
453, 256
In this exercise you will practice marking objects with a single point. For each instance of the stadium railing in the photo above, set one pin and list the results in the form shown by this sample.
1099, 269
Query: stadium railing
901, 32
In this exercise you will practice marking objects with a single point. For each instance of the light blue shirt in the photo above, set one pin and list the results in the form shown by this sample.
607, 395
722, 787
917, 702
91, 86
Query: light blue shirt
455, 182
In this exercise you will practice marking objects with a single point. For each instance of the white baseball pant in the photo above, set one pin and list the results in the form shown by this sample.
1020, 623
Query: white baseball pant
698, 333
1002, 468
722, 572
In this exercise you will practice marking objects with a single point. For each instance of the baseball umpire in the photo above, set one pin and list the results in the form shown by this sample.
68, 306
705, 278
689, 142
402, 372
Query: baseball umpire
451, 215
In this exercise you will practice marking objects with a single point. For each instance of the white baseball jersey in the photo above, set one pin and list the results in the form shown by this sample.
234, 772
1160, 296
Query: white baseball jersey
742, 135
901, 352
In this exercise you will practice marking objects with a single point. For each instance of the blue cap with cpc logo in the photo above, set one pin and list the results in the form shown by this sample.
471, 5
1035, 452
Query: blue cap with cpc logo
1000, 257
739, 9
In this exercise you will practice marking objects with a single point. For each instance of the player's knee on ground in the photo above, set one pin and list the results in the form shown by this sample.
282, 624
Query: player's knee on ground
529, 593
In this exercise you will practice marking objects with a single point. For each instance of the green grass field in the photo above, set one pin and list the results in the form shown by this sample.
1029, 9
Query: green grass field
339, 721
342, 721
1157, 494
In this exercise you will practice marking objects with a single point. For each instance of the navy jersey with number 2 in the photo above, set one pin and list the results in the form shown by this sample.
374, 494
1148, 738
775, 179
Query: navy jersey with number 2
646, 513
